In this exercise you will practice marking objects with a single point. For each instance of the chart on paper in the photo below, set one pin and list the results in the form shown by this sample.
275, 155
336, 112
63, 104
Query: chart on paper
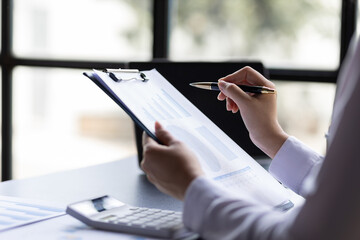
15, 212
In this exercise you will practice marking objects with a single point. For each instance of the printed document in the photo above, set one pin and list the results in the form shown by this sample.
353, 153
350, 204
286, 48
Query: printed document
15, 212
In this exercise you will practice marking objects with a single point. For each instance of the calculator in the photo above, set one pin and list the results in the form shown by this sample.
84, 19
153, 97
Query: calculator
108, 213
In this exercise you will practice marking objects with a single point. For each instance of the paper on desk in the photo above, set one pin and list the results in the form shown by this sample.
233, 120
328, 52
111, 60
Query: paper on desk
221, 158
63, 228
15, 212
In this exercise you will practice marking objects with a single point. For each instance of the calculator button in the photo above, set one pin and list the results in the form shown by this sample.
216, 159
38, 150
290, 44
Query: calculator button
151, 218
167, 211
131, 218
140, 215
161, 222
122, 221
148, 219
151, 224
169, 218
161, 214
137, 211
154, 210
143, 209
138, 222
108, 218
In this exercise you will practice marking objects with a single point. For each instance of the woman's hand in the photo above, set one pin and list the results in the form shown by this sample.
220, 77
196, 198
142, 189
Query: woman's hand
170, 167
257, 110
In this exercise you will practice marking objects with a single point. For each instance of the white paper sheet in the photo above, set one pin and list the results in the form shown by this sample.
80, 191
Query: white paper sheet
15, 212
221, 158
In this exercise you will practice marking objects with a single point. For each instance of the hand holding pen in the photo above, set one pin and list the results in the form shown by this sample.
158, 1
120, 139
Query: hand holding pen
258, 111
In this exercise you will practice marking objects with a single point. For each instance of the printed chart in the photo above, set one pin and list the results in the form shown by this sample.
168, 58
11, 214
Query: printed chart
15, 212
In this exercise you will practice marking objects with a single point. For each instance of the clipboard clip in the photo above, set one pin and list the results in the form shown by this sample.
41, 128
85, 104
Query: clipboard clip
111, 72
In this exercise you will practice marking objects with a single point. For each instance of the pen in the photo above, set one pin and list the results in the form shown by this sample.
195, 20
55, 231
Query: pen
250, 89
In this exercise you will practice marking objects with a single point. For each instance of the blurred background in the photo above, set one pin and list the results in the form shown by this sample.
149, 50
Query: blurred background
61, 120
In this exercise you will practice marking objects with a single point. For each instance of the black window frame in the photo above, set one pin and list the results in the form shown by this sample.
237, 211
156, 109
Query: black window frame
161, 24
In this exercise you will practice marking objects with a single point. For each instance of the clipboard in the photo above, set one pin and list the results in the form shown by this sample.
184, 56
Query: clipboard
146, 96
92, 76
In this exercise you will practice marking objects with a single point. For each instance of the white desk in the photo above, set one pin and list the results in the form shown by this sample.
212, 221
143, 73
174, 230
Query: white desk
122, 179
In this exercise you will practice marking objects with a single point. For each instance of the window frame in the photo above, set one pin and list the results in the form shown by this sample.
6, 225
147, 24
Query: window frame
160, 50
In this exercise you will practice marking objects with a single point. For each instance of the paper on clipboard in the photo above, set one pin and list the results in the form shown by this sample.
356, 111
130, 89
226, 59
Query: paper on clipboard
220, 157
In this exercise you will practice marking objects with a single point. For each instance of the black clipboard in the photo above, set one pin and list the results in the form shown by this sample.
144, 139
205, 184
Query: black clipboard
94, 78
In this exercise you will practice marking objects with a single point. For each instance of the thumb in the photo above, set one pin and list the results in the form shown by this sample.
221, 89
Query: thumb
234, 92
164, 136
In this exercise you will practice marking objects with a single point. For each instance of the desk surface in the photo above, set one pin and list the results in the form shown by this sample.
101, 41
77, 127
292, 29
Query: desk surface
122, 179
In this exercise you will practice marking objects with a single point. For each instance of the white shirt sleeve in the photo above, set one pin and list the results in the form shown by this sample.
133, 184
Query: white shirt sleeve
293, 163
215, 213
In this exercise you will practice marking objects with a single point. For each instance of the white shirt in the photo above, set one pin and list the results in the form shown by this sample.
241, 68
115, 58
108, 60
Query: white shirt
331, 185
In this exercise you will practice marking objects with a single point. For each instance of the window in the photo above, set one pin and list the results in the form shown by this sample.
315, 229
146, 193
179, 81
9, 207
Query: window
285, 34
304, 111
83, 29
61, 120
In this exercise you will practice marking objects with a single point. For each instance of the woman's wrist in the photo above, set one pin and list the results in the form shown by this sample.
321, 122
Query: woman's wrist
270, 143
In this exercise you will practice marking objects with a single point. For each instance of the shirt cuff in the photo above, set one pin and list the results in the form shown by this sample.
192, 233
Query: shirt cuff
292, 163
198, 192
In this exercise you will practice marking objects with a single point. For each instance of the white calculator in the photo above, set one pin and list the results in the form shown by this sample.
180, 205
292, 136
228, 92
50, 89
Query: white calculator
108, 213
